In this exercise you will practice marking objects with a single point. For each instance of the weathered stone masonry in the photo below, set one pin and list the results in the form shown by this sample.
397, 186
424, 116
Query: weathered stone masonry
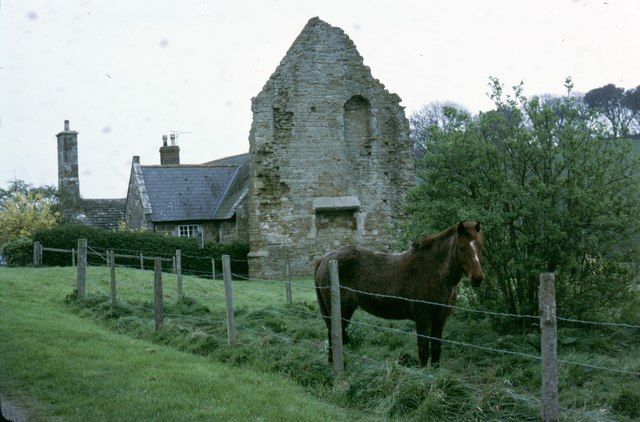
331, 157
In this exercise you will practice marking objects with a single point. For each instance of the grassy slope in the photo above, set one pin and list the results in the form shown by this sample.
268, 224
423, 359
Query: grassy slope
73, 369
274, 338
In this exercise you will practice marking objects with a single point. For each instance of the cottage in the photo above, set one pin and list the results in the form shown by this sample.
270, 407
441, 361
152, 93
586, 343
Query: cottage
204, 201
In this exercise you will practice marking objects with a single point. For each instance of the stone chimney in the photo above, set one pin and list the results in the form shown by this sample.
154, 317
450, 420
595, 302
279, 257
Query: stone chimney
169, 154
68, 180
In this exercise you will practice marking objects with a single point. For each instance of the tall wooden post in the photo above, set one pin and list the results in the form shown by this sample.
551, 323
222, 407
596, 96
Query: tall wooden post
112, 271
36, 248
141, 261
73, 257
213, 268
81, 280
157, 292
336, 319
287, 281
179, 275
549, 348
226, 273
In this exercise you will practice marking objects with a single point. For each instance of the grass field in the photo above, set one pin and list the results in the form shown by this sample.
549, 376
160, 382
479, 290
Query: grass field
72, 359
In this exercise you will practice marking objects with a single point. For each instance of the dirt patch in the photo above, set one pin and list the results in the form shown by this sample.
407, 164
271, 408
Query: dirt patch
11, 411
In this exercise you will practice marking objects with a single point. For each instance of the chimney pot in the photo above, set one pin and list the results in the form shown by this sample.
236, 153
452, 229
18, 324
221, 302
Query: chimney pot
66, 125
164, 140
173, 139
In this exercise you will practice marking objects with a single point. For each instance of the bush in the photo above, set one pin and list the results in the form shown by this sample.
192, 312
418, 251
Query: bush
18, 253
195, 261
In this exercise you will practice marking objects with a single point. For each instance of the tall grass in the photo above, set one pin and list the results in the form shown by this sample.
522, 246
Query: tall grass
382, 379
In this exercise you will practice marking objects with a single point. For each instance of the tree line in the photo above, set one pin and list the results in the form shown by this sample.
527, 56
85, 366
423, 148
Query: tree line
555, 182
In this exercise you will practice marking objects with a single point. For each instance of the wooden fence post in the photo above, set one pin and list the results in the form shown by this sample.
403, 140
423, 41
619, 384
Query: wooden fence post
112, 270
35, 253
179, 275
226, 273
213, 267
157, 292
142, 262
73, 257
287, 282
336, 319
81, 280
549, 350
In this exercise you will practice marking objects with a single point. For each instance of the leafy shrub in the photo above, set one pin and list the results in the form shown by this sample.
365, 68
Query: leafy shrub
18, 253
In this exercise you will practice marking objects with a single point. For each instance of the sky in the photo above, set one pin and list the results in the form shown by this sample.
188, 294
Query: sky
125, 72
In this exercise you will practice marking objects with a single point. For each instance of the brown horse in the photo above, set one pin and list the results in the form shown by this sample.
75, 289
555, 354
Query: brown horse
408, 285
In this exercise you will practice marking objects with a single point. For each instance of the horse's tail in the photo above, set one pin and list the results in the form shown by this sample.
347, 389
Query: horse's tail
320, 277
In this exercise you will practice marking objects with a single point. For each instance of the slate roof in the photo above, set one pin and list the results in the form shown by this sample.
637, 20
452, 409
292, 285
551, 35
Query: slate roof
102, 213
187, 192
238, 188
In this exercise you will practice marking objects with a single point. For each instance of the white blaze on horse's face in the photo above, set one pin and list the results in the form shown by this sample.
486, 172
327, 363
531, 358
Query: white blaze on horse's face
474, 248
471, 264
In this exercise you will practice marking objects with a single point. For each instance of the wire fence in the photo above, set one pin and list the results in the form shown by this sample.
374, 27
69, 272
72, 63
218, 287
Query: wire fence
321, 345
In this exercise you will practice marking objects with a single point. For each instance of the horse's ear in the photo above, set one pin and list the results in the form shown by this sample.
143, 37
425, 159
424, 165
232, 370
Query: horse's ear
461, 227
478, 227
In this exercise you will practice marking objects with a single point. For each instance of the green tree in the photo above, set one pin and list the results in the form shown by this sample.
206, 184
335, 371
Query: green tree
25, 209
553, 192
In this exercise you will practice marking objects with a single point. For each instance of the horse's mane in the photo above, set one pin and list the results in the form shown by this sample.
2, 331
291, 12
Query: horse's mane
428, 240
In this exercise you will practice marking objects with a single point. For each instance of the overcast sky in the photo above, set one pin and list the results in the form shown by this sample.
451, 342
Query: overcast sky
125, 72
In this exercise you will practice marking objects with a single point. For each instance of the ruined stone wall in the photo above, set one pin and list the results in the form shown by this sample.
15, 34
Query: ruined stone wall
331, 158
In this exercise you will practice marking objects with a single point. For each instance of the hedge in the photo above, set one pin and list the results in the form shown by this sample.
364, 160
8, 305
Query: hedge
18, 253
195, 260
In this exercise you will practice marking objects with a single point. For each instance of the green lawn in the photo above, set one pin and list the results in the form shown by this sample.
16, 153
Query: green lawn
65, 367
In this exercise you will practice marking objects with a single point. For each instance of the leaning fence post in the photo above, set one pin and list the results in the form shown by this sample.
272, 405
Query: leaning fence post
112, 270
549, 350
179, 275
226, 273
287, 282
157, 292
336, 319
81, 280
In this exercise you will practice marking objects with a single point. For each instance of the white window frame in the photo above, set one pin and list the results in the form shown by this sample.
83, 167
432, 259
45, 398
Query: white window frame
188, 230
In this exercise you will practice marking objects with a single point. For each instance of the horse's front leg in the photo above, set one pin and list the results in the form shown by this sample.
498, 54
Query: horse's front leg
423, 331
436, 344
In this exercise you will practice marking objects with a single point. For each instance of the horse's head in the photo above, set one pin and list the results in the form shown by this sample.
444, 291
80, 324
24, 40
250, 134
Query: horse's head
469, 251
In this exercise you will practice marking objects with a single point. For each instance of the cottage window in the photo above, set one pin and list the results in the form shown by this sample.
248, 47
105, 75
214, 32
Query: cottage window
188, 230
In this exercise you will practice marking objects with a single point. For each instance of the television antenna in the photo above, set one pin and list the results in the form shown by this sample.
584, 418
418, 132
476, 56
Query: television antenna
178, 132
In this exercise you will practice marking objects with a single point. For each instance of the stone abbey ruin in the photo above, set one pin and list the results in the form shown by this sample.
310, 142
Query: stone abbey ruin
331, 157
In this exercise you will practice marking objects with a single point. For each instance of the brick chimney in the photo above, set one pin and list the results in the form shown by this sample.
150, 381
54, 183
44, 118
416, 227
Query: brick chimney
68, 180
169, 154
